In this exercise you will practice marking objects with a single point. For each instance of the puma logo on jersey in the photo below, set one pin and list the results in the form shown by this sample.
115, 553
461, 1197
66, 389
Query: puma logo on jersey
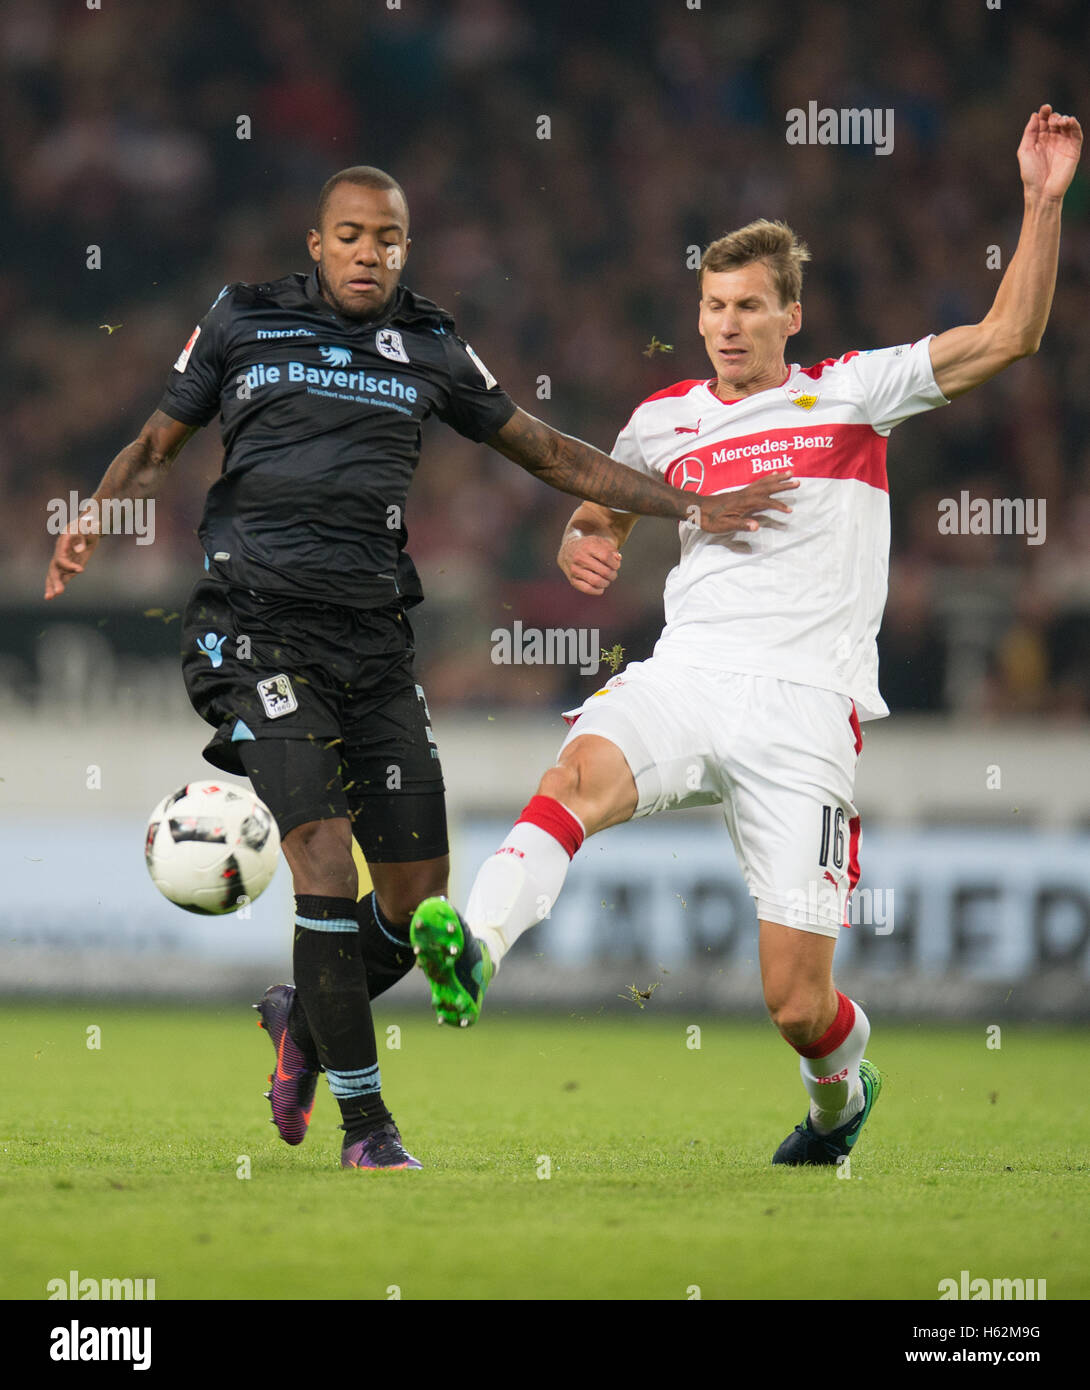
687, 429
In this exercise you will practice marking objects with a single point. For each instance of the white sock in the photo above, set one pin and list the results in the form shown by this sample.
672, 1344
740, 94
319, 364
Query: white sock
832, 1081
517, 887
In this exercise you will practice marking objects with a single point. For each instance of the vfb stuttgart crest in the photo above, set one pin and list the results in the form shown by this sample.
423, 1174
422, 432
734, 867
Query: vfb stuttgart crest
800, 396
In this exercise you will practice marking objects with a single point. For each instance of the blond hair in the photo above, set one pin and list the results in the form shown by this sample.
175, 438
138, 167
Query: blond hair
772, 242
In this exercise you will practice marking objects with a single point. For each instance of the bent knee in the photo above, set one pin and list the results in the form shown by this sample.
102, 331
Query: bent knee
800, 1018
593, 780
562, 782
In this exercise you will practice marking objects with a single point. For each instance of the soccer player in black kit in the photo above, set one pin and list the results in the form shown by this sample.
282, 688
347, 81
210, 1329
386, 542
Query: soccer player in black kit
297, 645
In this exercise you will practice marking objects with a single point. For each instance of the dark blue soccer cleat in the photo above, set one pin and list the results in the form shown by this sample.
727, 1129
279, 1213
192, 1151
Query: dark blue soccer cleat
804, 1146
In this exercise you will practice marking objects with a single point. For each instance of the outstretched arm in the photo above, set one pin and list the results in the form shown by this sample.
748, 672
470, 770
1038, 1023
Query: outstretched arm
136, 472
1013, 327
574, 467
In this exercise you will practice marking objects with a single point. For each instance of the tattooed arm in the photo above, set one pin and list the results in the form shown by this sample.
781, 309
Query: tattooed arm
571, 466
136, 472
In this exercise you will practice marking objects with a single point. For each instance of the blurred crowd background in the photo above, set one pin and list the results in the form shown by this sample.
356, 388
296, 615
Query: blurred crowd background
562, 258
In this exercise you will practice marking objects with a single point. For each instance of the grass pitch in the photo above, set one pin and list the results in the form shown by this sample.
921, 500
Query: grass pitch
129, 1160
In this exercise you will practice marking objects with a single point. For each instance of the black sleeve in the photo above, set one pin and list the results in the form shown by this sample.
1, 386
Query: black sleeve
476, 405
193, 391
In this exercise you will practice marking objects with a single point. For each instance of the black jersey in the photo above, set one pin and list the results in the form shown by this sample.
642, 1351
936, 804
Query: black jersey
321, 424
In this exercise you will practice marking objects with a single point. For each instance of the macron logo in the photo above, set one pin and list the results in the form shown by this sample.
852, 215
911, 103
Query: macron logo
336, 356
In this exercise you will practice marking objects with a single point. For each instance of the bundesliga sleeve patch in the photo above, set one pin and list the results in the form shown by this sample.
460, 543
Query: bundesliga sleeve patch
183, 356
489, 379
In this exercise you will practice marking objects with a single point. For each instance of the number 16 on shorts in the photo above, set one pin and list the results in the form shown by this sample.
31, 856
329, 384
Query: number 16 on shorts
832, 837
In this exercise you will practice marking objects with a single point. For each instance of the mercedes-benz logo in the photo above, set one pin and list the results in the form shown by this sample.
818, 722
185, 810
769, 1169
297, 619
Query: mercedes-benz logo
689, 476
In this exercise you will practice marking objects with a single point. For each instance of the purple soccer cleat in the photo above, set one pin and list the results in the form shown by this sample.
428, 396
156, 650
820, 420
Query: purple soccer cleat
296, 1076
382, 1148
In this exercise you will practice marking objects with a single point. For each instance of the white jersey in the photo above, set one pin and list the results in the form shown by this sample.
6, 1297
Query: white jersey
801, 599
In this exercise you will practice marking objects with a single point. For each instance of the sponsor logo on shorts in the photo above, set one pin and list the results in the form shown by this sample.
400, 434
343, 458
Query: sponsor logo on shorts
211, 646
277, 696
571, 715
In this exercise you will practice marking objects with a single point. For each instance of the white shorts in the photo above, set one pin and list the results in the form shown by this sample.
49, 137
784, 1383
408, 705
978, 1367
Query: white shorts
779, 756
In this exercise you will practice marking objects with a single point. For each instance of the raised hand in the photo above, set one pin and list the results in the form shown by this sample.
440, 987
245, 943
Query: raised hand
1049, 152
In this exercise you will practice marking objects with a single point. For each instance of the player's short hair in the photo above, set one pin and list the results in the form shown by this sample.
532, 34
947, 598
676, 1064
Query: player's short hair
364, 176
772, 242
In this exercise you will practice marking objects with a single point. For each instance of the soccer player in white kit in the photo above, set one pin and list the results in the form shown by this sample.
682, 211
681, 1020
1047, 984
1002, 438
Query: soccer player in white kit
767, 665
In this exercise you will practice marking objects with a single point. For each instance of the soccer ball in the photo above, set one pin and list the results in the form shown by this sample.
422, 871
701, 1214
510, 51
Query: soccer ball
211, 847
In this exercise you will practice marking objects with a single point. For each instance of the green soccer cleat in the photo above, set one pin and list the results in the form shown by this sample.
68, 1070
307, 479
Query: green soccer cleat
804, 1146
457, 965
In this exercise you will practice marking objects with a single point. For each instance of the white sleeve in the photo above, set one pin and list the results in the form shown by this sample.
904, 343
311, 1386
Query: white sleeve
897, 383
627, 450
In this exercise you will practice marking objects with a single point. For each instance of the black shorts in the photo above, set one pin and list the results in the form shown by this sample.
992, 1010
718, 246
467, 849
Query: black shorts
318, 704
